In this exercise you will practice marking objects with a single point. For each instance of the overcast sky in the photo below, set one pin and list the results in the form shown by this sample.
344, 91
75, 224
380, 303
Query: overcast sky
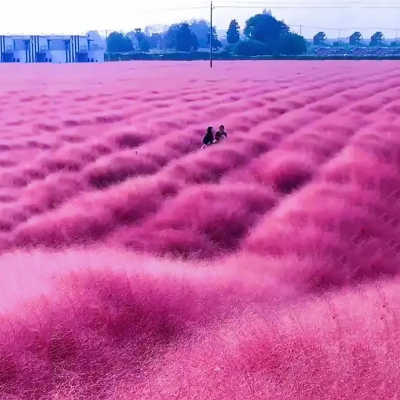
79, 16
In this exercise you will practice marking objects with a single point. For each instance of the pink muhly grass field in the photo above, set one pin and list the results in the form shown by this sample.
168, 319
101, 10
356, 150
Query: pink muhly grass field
136, 266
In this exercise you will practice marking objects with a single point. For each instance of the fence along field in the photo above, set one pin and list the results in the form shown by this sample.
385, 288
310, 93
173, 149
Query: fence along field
135, 265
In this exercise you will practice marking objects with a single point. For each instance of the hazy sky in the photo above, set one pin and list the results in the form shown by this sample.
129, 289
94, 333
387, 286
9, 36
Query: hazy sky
78, 16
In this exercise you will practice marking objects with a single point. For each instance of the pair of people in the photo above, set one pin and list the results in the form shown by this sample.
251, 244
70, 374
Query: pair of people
209, 136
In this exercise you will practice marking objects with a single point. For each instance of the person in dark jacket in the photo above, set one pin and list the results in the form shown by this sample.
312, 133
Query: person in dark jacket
221, 134
209, 137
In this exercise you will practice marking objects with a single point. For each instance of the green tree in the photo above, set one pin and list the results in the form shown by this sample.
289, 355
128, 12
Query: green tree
319, 39
265, 28
355, 39
292, 44
132, 37
216, 44
250, 48
200, 28
144, 45
233, 32
138, 33
377, 39
195, 42
156, 41
170, 36
184, 38
274, 34
180, 37
117, 42
142, 40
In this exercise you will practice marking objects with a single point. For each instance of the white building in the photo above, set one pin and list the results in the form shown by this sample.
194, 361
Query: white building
53, 49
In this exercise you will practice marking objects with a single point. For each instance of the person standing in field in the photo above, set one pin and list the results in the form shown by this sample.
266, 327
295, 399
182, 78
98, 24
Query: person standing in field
221, 134
208, 137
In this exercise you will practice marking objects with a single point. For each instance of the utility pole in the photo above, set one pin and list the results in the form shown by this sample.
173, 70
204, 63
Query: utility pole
301, 26
211, 34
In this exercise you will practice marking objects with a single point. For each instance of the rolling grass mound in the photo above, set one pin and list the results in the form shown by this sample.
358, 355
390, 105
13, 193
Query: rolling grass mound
135, 265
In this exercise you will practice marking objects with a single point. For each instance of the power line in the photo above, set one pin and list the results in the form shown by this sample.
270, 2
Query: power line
181, 8
280, 5
310, 7
295, 4
289, 7
305, 4
291, 2
276, 5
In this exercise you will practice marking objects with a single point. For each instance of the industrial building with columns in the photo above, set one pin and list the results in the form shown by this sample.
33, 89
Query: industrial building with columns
49, 48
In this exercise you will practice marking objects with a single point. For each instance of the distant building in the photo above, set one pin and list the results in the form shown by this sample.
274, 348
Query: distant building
51, 49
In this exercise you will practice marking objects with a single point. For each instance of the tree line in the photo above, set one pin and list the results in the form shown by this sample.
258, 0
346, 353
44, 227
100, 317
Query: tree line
355, 39
263, 34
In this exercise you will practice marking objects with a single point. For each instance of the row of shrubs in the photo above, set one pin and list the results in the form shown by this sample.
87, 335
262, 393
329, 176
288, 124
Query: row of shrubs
224, 55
